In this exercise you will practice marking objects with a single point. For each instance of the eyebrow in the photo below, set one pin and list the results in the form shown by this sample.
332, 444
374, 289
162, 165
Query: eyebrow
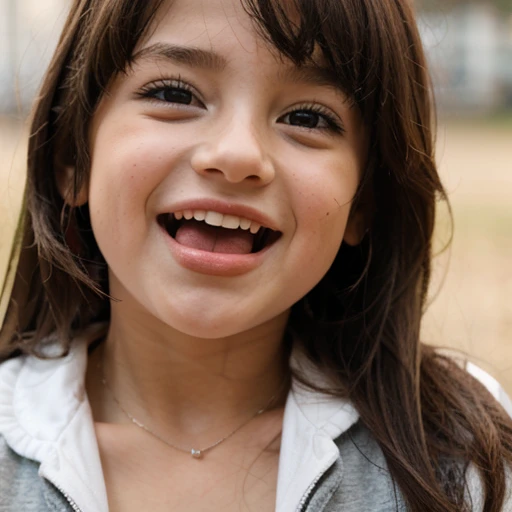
187, 55
313, 75
207, 59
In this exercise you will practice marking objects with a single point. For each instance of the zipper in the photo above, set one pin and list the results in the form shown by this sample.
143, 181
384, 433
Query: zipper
72, 503
305, 498
300, 508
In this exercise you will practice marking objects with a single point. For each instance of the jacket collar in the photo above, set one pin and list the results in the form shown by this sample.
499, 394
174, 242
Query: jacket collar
312, 421
45, 416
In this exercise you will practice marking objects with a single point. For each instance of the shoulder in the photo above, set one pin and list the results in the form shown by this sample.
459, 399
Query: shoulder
359, 480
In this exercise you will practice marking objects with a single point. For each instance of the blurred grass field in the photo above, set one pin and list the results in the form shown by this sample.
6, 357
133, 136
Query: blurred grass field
472, 281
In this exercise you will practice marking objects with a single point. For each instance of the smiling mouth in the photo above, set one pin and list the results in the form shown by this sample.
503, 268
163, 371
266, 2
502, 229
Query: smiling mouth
215, 232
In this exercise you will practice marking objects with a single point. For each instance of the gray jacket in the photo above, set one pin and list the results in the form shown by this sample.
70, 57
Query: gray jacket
358, 481
49, 458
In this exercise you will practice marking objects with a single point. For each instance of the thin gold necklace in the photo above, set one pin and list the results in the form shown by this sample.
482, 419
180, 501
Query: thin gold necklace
195, 453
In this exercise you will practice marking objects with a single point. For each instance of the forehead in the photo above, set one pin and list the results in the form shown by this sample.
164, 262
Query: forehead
205, 21
213, 34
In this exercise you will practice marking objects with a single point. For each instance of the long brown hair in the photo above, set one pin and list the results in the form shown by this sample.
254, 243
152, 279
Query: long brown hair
361, 323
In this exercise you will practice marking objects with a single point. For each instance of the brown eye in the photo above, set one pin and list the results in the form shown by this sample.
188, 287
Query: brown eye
313, 117
304, 118
174, 95
170, 92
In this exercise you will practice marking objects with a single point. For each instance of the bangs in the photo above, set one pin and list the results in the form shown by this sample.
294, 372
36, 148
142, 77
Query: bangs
335, 29
107, 40
359, 41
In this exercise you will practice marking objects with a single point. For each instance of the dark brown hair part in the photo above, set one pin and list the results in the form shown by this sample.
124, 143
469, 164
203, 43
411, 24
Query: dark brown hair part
360, 325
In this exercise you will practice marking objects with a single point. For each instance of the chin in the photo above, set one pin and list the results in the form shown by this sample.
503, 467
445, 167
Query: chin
214, 326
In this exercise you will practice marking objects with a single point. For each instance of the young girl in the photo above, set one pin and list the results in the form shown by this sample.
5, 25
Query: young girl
225, 258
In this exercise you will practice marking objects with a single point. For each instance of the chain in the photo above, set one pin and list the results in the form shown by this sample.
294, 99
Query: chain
196, 454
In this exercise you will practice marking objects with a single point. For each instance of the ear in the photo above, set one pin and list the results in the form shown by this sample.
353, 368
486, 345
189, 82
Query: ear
356, 228
360, 218
64, 177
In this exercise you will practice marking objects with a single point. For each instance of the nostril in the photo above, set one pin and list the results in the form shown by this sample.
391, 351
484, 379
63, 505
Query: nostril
234, 163
235, 175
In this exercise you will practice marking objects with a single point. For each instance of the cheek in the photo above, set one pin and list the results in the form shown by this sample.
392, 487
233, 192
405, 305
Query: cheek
125, 157
128, 163
323, 195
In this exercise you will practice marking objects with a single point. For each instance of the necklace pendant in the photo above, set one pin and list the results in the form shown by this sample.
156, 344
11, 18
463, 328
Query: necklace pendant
196, 454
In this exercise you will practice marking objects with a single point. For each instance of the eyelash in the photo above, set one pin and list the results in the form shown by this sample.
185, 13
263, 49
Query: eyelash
151, 90
333, 123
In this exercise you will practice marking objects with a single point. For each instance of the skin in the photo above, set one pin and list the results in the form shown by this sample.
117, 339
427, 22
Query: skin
191, 354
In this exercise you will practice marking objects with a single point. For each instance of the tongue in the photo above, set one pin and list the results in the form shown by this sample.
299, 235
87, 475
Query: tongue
199, 235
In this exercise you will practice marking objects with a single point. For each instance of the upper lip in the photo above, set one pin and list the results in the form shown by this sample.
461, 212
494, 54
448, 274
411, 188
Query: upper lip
226, 208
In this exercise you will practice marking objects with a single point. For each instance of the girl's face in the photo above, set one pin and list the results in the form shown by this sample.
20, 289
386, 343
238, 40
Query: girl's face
210, 122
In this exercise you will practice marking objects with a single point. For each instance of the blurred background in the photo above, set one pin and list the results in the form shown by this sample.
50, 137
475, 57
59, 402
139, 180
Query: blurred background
469, 46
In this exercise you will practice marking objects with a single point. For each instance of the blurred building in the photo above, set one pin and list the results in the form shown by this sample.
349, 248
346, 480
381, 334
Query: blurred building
470, 54
28, 33
469, 47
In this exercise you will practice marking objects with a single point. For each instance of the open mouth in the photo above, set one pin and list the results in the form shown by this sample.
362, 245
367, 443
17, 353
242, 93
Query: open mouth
214, 232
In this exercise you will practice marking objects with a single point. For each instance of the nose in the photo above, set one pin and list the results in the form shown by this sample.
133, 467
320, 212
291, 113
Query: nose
234, 150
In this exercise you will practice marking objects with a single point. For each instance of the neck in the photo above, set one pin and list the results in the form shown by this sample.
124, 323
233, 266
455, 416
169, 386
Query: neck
183, 386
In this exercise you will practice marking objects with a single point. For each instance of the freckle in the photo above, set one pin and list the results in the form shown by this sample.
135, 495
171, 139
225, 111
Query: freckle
328, 213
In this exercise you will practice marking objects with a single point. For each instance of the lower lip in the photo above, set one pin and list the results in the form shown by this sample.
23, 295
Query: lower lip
213, 263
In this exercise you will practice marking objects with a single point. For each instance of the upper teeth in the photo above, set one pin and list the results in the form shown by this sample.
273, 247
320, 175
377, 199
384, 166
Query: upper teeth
219, 219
